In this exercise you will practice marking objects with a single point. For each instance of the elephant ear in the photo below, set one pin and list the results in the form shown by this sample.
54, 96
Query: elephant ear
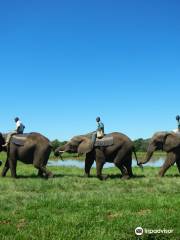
171, 142
85, 146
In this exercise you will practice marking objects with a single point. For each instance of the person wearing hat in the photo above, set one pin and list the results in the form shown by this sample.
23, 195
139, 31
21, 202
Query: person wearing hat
99, 133
19, 130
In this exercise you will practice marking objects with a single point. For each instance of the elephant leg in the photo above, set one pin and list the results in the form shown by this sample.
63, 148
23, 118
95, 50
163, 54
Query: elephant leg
100, 160
47, 173
178, 164
40, 173
41, 166
99, 167
5, 169
170, 160
123, 170
12, 164
88, 163
121, 155
128, 165
40, 162
43, 170
121, 162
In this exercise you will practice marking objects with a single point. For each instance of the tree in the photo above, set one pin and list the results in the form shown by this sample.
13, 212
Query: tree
141, 144
56, 143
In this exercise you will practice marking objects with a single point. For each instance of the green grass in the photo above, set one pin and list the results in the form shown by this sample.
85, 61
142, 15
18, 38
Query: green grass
72, 207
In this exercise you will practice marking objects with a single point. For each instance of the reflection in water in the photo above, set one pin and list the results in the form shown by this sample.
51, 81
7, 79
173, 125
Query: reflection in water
80, 164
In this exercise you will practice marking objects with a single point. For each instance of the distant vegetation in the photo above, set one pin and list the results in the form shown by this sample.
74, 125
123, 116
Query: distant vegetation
56, 143
141, 144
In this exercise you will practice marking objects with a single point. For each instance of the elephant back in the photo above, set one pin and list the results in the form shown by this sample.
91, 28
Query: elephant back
20, 139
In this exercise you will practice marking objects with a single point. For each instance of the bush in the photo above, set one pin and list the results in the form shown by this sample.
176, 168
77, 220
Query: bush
141, 144
56, 143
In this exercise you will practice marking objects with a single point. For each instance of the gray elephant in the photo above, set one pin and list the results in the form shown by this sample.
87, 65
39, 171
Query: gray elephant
31, 148
118, 152
168, 142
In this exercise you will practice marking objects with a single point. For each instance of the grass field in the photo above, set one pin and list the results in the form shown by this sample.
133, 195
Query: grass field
72, 207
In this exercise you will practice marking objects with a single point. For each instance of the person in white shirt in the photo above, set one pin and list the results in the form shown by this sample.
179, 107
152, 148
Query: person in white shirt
177, 130
19, 130
19, 126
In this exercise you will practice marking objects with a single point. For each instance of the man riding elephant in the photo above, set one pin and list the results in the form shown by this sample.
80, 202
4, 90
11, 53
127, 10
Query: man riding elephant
177, 130
19, 130
99, 132
116, 148
32, 148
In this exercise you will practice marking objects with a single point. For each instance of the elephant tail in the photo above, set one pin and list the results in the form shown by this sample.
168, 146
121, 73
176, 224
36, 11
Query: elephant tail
139, 164
58, 153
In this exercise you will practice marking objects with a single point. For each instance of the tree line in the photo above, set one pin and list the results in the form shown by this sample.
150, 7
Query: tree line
140, 144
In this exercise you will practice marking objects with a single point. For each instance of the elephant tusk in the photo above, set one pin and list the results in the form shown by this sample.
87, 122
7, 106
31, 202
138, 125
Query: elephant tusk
61, 151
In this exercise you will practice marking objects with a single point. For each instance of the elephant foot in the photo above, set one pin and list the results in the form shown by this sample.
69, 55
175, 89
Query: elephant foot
86, 175
125, 177
102, 177
3, 174
161, 174
50, 175
40, 175
14, 176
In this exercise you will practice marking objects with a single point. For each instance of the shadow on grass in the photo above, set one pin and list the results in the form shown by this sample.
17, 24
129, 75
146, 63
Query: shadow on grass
108, 176
171, 175
114, 176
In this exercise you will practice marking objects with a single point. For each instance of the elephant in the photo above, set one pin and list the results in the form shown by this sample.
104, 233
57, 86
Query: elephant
119, 153
168, 142
31, 148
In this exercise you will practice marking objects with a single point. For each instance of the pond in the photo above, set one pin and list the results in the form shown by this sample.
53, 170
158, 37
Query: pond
156, 162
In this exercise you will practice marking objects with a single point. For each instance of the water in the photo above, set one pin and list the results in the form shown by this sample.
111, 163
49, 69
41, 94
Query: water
80, 164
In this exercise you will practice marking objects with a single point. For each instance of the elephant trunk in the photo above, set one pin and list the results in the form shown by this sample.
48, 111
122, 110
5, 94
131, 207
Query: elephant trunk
138, 163
59, 151
149, 154
150, 151
148, 157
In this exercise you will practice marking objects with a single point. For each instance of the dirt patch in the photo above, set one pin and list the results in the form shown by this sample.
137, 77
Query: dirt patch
111, 215
144, 212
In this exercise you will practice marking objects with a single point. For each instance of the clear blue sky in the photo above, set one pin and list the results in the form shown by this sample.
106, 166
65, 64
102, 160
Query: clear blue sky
62, 63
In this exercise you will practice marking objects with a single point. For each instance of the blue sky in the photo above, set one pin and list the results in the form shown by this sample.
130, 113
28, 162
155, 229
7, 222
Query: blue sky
62, 63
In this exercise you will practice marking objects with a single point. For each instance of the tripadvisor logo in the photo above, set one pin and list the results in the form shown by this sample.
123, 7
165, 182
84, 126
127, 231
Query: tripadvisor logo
139, 231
